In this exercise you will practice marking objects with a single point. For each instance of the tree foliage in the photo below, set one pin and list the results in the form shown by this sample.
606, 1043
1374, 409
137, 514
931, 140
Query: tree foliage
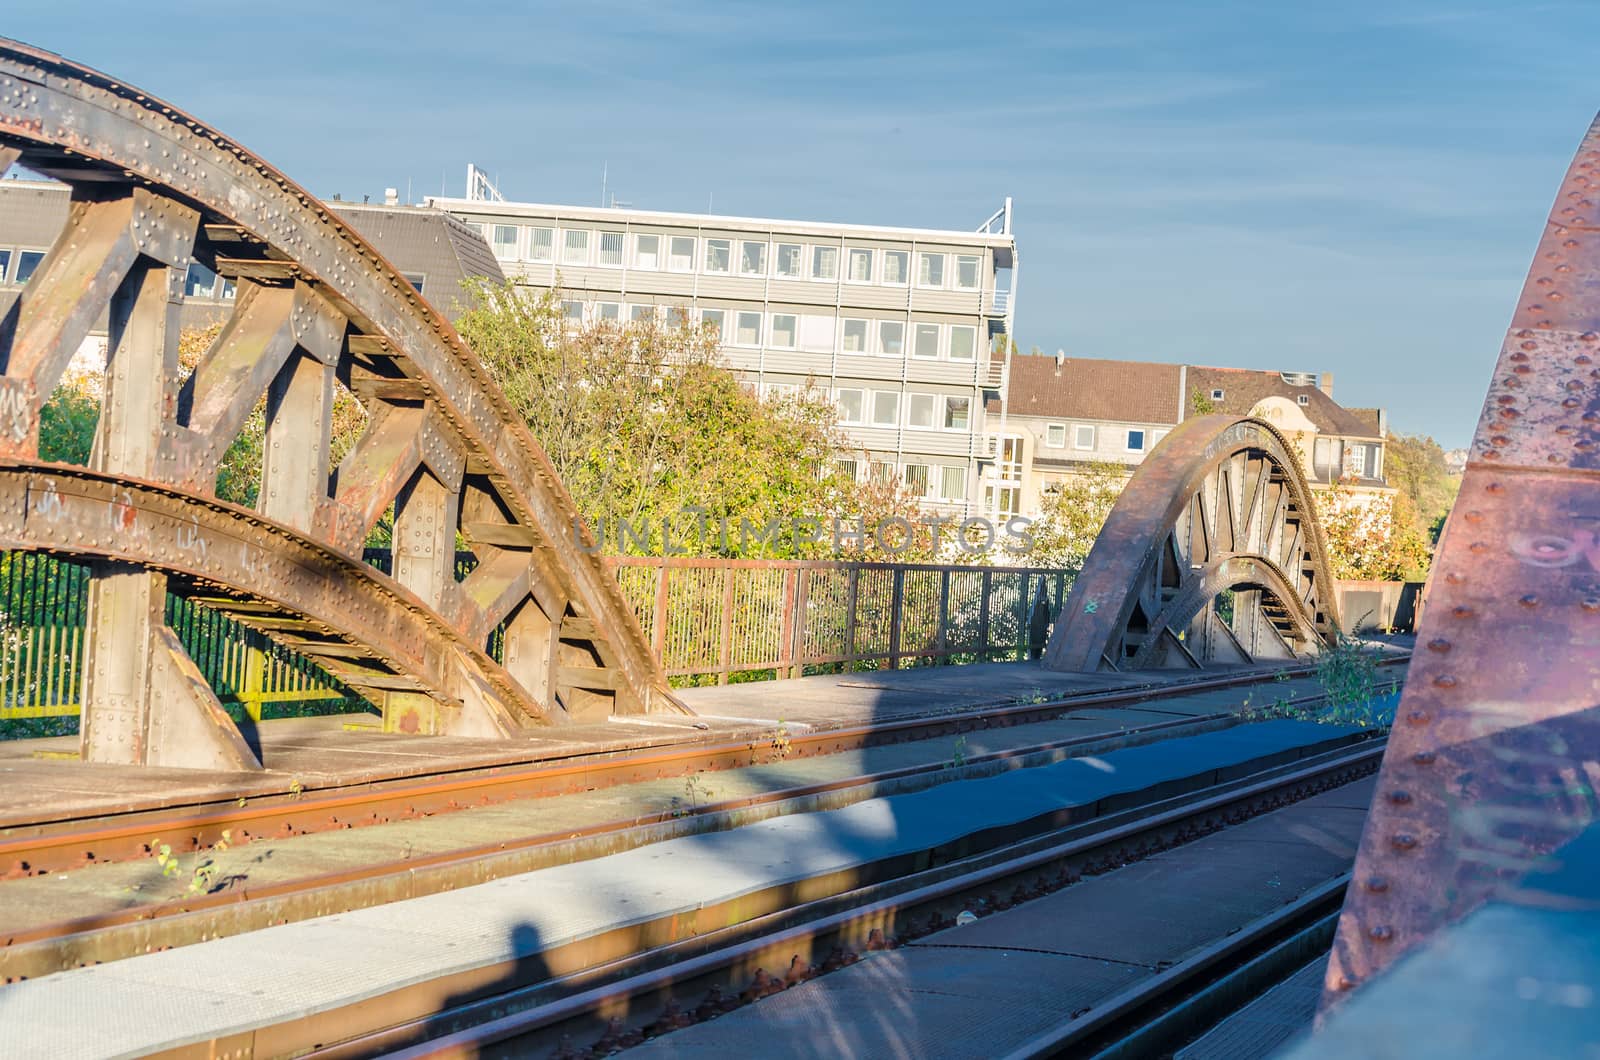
646, 426
1415, 464
1372, 536
1073, 512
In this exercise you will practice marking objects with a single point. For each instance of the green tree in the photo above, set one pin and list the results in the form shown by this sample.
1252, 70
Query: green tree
1372, 536
1415, 465
646, 425
66, 424
1201, 404
1073, 512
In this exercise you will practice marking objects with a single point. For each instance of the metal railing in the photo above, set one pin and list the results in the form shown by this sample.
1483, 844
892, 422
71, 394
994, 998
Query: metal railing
704, 617
784, 618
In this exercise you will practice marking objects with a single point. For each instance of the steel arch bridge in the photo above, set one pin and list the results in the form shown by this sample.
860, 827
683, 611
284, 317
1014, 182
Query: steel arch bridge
152, 191
1219, 517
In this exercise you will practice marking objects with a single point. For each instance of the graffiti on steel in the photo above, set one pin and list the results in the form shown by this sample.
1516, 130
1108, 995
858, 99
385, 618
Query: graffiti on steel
154, 191
1211, 555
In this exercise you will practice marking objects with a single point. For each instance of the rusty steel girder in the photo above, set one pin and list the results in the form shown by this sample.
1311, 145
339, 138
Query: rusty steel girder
1220, 506
152, 191
1495, 752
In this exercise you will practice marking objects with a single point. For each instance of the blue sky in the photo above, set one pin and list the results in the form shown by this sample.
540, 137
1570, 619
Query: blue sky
1354, 187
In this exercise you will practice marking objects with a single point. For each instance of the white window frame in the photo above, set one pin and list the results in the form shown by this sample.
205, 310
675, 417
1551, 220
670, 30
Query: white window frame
866, 336
1217, 394
794, 331
933, 404
672, 255
600, 249
944, 477
600, 311
1302, 399
927, 479
861, 399
1053, 432
894, 418
977, 272
950, 344
879, 343
567, 248
799, 261
916, 340
817, 250
944, 420
709, 243
1080, 432
738, 324
641, 313
638, 253
926, 256
514, 251
718, 317
872, 264
746, 244
1144, 440
567, 317
905, 256
533, 244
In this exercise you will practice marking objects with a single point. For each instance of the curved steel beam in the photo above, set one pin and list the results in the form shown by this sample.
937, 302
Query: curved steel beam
1491, 763
1216, 490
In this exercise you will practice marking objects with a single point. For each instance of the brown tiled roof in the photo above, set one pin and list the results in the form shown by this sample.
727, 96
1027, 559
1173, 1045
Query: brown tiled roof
1083, 388
1373, 418
1243, 388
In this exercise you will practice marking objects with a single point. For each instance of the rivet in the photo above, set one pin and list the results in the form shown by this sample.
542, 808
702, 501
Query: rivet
1418, 717
1381, 933
1400, 798
1404, 841
1494, 487
1378, 884
1474, 517
1462, 611
1444, 681
1424, 758
1439, 644
1529, 601
1591, 603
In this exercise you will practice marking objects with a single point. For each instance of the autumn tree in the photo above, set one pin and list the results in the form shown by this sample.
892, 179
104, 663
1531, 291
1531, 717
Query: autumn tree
1416, 466
1073, 512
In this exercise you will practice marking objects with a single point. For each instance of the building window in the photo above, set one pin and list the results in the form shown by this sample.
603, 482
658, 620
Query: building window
572, 310
611, 311
963, 342
885, 408
1135, 441
680, 253
640, 314
713, 318
896, 264
647, 252
860, 265
503, 240
925, 341
5, 265
967, 272
847, 468
881, 471
611, 250
1083, 436
824, 263
855, 336
1055, 435
919, 410
677, 316
915, 477
415, 279
783, 330
782, 391
953, 483
957, 413
849, 402
747, 329
1303, 399
787, 262
1216, 395
752, 259
575, 248
930, 270
718, 253
541, 244
201, 282
891, 338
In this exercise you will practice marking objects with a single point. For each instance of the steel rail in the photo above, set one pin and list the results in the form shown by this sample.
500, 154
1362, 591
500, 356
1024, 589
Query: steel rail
730, 965
71, 843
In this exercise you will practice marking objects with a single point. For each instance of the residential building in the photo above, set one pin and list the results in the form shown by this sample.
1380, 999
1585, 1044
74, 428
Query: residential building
1062, 414
896, 324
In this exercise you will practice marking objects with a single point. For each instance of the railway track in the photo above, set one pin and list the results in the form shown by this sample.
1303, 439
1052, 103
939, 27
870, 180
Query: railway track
143, 927
621, 1002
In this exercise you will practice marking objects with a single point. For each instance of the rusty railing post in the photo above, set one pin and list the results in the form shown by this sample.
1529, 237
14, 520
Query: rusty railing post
725, 636
850, 601
802, 586
897, 600
983, 617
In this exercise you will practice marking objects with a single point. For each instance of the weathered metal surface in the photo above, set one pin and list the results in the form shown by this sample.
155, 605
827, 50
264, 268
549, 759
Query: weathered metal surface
1496, 745
154, 189
1219, 505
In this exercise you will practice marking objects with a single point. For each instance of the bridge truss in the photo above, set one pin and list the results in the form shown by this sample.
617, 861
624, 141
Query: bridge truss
154, 190
1212, 555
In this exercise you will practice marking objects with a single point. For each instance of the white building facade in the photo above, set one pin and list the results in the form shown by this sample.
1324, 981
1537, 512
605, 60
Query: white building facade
896, 324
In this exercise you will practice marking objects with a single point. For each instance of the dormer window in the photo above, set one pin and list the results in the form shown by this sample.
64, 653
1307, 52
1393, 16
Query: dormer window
1216, 395
1304, 399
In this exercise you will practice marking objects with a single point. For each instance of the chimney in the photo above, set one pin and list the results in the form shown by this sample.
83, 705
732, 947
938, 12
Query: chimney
391, 196
1061, 358
1325, 383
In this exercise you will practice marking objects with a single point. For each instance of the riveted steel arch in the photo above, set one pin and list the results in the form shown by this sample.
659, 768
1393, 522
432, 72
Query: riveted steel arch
1220, 508
152, 191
